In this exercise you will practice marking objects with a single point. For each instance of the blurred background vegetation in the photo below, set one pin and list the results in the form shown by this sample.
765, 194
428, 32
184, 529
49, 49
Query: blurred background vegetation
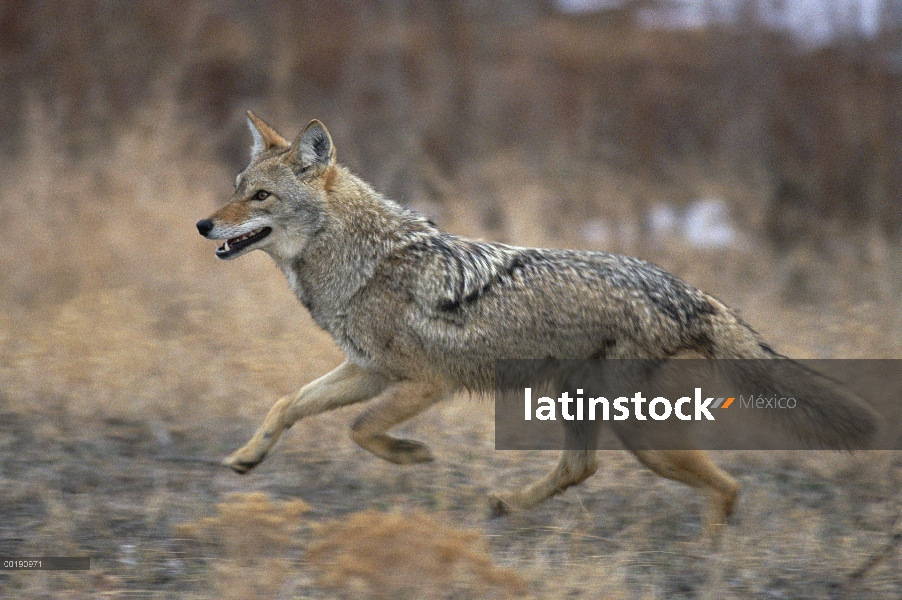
608, 122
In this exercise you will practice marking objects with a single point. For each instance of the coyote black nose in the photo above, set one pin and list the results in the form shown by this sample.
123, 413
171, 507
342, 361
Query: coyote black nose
205, 226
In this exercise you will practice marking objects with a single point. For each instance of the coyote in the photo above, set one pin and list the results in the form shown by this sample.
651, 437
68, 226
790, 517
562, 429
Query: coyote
422, 314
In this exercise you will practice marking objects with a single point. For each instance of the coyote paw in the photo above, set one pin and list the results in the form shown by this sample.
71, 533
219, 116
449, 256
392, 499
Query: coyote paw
408, 452
240, 462
498, 506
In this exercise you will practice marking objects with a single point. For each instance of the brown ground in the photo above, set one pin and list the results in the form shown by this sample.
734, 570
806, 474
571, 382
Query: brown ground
131, 361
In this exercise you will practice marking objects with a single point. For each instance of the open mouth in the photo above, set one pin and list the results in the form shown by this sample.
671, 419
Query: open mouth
235, 245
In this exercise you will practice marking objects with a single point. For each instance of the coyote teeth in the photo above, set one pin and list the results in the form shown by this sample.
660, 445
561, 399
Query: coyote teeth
225, 246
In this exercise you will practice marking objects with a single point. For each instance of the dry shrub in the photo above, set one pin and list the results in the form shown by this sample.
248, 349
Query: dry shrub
253, 535
407, 556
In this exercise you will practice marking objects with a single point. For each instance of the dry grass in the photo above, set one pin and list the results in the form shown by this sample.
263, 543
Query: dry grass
395, 555
250, 537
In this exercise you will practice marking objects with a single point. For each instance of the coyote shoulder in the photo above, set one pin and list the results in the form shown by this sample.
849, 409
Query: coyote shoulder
422, 314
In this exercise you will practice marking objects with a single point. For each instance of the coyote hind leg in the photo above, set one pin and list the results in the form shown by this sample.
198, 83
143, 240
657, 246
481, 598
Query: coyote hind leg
695, 468
344, 385
398, 403
577, 463
574, 466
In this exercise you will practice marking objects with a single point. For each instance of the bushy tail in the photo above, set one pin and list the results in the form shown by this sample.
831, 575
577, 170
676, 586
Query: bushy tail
826, 413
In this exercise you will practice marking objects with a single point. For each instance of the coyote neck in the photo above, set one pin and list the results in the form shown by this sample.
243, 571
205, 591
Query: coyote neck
342, 256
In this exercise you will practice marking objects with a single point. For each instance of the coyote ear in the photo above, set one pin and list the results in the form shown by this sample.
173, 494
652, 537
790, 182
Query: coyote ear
313, 148
265, 137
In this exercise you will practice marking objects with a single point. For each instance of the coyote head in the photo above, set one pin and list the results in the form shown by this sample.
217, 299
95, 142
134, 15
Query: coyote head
278, 198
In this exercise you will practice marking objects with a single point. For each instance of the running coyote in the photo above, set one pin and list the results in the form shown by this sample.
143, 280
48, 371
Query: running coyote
422, 314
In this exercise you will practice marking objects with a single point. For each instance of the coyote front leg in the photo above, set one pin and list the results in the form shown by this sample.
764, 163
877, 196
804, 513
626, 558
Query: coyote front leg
399, 402
345, 385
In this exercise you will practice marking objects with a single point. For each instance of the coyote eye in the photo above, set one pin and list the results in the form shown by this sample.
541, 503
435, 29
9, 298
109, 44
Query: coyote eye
261, 195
